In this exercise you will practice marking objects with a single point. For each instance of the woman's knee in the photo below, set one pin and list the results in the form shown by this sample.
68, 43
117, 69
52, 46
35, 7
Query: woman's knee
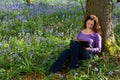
65, 53
73, 43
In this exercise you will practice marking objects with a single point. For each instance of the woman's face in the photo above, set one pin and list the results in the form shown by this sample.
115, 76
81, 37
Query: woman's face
89, 24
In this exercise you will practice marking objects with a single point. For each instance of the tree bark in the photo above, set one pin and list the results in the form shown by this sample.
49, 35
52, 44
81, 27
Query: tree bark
103, 9
29, 1
118, 0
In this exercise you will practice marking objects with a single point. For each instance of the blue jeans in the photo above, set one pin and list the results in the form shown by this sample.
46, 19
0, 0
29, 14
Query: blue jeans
74, 53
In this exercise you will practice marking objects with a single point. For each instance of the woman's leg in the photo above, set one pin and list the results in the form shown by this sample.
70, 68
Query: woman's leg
60, 61
83, 55
77, 53
74, 53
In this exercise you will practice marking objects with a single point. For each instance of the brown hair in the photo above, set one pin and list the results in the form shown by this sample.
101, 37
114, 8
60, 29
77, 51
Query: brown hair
96, 27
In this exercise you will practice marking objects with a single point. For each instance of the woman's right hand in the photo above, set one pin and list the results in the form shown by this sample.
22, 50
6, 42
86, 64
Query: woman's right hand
88, 49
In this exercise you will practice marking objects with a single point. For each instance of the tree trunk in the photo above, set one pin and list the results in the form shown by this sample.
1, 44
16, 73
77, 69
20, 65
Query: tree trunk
103, 9
29, 2
118, 0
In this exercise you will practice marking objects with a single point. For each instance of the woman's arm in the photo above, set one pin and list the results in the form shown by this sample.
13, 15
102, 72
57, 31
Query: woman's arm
98, 42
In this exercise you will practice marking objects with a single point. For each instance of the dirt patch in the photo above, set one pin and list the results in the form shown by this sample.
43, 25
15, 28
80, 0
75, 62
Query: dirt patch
33, 76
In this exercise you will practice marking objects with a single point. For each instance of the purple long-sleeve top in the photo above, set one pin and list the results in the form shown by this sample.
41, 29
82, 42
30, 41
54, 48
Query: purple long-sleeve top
94, 41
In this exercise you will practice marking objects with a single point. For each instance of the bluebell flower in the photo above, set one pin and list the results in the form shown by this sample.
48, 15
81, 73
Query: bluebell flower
0, 52
110, 73
37, 6
60, 1
11, 58
118, 4
15, 6
31, 7
0, 44
71, 25
51, 30
7, 51
15, 54
61, 76
37, 38
6, 29
106, 59
10, 10
28, 37
19, 58
75, 74
31, 55
61, 34
24, 20
10, 20
50, 57
95, 69
89, 65
43, 9
21, 17
28, 42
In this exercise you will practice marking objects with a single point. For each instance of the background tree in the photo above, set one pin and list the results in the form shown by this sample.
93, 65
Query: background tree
103, 9
28, 1
118, 0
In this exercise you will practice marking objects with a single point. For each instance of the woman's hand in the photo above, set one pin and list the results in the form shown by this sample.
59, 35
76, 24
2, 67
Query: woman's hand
88, 49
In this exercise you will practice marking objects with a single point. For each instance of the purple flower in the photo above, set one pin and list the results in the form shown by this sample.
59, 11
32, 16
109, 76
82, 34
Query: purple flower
0, 44
11, 58
89, 65
19, 58
51, 30
15, 54
31, 55
31, 7
61, 76
21, 17
106, 59
50, 57
95, 69
111, 73
60, 1
7, 29
28, 37
113, 16
15, 6
0, 52
61, 34
7, 51
28, 42
76, 74
24, 20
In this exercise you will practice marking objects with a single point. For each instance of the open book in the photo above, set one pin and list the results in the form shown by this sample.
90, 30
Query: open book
84, 44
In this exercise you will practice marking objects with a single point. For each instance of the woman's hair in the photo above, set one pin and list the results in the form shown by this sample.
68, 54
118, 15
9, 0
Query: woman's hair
96, 27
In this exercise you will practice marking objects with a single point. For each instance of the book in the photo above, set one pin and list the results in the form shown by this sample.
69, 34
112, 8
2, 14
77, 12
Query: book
84, 44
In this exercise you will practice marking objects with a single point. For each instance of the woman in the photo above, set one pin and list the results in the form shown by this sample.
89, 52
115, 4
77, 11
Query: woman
90, 33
